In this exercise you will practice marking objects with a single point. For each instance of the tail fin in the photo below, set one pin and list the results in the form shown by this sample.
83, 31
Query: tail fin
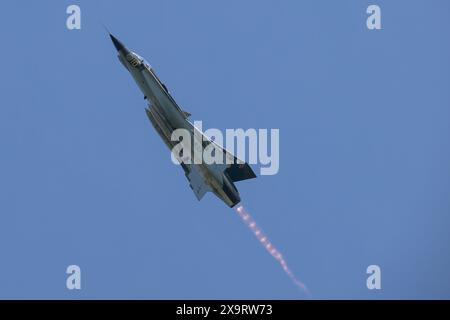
238, 172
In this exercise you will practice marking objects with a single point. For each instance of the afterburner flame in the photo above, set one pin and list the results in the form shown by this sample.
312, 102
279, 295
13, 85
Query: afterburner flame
264, 240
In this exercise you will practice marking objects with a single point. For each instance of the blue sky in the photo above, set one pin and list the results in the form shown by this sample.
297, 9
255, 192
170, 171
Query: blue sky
364, 119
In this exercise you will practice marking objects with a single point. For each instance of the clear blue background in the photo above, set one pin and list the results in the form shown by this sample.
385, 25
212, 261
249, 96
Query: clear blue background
364, 119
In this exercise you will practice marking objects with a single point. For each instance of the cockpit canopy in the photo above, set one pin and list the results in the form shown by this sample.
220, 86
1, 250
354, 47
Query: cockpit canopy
142, 60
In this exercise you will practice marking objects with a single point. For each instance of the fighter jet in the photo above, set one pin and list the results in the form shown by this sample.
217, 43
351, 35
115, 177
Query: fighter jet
166, 116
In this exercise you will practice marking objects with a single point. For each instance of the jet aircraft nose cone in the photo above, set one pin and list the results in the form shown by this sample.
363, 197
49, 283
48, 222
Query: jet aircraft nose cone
119, 46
